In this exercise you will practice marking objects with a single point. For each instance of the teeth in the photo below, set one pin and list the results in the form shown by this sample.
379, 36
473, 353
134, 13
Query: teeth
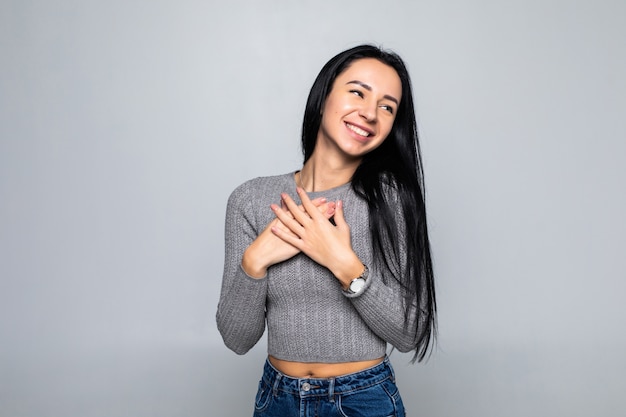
357, 130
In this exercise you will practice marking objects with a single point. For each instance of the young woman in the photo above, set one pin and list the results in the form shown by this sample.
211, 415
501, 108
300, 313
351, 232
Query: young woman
335, 258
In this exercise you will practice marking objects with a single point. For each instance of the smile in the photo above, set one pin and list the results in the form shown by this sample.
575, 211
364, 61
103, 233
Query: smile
358, 130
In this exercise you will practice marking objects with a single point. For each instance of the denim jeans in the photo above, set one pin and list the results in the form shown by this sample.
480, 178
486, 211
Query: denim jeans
368, 393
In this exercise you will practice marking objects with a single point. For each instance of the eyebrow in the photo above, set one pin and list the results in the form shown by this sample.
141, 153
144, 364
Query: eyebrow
368, 88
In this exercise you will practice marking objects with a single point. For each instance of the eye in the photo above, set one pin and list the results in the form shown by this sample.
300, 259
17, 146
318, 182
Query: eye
387, 108
357, 93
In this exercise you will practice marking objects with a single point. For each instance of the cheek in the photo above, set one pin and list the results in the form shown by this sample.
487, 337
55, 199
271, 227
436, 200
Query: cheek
389, 126
329, 105
336, 106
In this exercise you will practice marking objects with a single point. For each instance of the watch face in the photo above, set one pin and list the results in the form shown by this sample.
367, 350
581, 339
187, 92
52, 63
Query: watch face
357, 285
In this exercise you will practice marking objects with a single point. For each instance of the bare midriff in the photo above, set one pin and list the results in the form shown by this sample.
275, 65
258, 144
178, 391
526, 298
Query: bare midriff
321, 370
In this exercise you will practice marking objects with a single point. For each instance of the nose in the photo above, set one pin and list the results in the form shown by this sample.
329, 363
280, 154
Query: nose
368, 111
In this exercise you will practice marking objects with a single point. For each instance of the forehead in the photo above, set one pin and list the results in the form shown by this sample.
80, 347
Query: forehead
381, 77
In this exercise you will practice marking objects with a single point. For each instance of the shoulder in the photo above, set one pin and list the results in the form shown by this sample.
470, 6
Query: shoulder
261, 188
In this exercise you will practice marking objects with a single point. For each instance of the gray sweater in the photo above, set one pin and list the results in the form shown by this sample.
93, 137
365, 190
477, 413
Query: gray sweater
309, 317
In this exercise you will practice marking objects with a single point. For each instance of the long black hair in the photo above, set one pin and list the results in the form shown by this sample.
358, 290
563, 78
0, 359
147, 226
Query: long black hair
396, 163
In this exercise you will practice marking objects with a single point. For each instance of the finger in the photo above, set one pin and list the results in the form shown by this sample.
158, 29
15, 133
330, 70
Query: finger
277, 223
287, 218
318, 201
284, 207
302, 216
306, 203
287, 237
328, 210
340, 220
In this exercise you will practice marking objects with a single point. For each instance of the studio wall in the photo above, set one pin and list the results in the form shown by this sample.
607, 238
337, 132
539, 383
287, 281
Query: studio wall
124, 126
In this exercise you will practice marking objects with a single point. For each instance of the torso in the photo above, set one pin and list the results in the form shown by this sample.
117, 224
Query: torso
321, 370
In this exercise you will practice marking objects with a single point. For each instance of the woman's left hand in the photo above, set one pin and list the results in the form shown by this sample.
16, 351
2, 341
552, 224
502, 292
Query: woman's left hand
325, 243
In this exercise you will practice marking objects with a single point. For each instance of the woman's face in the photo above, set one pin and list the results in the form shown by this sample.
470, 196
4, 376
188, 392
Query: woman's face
360, 109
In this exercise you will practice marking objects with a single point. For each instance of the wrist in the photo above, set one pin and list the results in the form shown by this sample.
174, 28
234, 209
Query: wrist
346, 272
358, 284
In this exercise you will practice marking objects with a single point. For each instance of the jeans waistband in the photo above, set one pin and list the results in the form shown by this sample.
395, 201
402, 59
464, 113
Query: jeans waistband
308, 387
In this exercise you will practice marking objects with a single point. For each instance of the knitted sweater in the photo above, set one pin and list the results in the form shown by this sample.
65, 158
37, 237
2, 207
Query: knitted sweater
309, 317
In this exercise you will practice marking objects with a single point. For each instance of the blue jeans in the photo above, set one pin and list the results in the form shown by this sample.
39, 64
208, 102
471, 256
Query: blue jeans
368, 393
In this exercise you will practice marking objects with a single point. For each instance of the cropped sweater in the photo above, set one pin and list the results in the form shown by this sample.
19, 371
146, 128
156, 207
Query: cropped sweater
308, 315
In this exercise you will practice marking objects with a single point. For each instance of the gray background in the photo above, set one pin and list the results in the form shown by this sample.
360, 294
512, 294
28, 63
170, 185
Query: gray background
124, 126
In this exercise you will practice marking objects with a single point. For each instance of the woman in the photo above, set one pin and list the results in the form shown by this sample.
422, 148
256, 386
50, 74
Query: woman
335, 258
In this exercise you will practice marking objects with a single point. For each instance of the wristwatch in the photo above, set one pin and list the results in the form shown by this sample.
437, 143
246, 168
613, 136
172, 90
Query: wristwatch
357, 284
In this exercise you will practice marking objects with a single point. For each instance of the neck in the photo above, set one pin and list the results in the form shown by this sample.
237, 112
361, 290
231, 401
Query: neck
320, 174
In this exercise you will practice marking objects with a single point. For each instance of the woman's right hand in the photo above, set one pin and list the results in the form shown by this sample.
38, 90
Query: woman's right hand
267, 249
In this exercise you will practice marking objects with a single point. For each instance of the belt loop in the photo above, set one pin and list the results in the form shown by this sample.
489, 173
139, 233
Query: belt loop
331, 390
388, 365
276, 382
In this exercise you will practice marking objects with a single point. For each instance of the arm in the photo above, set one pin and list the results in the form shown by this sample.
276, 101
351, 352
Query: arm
241, 309
381, 303
249, 253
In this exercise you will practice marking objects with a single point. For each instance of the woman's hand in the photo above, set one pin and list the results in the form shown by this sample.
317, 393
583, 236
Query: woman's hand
267, 249
308, 230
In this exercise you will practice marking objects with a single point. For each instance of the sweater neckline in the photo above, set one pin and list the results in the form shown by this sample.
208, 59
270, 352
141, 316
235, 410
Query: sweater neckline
329, 194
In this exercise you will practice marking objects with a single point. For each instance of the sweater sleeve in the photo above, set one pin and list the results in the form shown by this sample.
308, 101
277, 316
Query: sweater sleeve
241, 308
381, 304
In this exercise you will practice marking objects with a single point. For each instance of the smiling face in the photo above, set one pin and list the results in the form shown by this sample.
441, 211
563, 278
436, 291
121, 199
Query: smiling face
360, 109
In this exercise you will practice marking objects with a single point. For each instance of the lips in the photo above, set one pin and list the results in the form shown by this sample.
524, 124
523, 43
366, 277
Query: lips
359, 130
